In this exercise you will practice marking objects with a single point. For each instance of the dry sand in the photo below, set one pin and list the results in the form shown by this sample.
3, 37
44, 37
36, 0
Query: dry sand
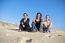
13, 36
9, 34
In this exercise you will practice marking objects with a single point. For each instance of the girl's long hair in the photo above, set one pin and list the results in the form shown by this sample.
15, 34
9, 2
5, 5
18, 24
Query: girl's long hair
37, 15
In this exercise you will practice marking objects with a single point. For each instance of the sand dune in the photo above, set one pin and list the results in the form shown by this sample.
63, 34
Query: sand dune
9, 34
4, 25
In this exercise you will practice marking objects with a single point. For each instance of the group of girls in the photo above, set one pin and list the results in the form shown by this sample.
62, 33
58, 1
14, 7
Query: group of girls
37, 24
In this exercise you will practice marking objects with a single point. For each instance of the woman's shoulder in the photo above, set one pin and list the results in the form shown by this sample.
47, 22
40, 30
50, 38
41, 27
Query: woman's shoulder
45, 21
22, 19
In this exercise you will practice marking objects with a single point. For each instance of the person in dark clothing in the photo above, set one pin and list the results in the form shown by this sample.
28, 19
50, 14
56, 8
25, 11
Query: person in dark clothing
36, 23
24, 23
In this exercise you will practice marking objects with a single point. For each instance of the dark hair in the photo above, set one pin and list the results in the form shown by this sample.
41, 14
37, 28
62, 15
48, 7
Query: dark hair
37, 15
25, 14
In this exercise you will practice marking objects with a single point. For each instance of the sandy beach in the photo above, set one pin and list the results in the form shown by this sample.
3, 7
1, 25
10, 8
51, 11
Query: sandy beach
9, 34
13, 36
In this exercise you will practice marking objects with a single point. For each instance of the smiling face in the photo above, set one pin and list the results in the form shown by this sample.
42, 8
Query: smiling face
39, 15
25, 16
47, 17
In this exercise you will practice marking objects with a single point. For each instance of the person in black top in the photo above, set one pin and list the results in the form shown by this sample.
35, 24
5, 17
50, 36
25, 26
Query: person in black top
24, 23
36, 23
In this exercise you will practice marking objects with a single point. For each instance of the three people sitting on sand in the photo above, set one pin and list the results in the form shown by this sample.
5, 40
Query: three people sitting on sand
37, 24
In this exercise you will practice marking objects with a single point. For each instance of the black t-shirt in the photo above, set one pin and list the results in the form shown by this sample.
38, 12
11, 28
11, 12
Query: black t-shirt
26, 23
38, 22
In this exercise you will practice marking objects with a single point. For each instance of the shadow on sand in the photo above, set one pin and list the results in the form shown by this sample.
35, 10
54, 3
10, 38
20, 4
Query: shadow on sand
14, 29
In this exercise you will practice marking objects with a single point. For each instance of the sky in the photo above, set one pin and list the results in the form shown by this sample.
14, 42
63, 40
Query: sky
12, 11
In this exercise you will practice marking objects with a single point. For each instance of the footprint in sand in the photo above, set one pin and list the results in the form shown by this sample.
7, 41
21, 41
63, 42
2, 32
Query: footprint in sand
25, 40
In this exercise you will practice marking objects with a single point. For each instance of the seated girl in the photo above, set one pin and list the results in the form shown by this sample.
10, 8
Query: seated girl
45, 26
24, 23
36, 23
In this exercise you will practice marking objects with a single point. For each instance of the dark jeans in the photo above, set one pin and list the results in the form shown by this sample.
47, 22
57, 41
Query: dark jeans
44, 28
35, 27
26, 28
